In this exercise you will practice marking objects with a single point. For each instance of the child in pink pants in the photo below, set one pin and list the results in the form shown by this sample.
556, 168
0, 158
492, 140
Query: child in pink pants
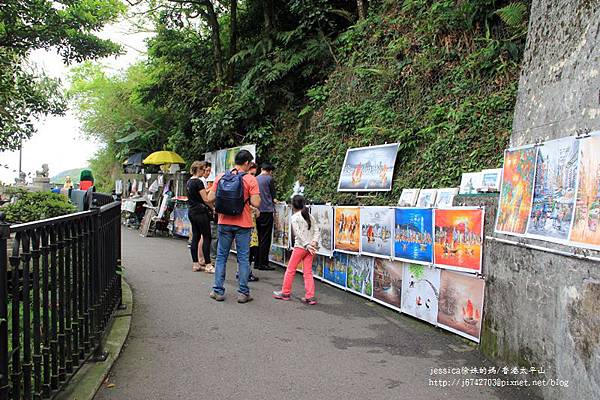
307, 238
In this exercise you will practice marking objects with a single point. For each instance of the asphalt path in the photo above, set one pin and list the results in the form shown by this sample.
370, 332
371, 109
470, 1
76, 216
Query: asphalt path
184, 345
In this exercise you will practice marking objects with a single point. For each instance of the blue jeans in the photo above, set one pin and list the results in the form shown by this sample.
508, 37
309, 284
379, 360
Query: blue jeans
226, 235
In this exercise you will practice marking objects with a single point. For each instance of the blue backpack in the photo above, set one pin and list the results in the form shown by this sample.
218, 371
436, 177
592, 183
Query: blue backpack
230, 194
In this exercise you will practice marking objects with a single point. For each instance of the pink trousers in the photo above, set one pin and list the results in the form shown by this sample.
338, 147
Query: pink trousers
299, 255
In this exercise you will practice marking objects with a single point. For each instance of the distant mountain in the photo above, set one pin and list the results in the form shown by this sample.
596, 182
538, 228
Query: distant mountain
73, 173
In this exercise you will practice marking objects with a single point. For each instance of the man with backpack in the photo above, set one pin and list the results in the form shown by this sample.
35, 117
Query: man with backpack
234, 192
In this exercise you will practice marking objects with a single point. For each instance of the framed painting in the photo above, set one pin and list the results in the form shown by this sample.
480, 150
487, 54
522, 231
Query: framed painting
413, 235
408, 198
470, 183
426, 198
368, 169
376, 224
281, 226
323, 215
445, 197
334, 270
459, 238
359, 275
387, 283
420, 292
346, 231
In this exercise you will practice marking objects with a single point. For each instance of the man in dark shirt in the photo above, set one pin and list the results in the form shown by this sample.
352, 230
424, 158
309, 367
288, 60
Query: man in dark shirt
264, 223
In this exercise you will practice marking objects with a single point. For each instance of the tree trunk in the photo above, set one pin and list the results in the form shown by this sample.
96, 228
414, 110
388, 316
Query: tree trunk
215, 34
232, 41
269, 15
362, 6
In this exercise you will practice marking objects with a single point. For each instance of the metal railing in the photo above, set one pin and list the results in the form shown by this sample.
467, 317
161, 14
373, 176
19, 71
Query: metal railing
60, 284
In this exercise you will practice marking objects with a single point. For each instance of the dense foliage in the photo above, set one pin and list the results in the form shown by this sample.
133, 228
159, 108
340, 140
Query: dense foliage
66, 26
307, 79
34, 206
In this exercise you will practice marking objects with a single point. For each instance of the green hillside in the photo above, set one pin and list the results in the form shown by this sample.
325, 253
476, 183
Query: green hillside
73, 173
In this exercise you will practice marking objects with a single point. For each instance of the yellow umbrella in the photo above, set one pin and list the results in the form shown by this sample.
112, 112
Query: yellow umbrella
164, 157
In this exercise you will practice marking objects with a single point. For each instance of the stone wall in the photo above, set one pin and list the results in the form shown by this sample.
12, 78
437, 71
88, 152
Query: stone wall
543, 309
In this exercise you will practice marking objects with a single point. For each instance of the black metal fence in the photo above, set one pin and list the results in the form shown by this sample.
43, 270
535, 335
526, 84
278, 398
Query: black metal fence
60, 283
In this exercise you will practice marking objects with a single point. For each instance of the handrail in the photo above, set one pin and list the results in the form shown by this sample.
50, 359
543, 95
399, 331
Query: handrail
50, 221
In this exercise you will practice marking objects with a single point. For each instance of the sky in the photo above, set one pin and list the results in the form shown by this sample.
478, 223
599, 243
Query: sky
58, 141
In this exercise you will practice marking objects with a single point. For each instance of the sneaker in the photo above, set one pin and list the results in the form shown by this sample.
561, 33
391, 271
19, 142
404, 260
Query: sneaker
216, 296
253, 278
311, 302
244, 298
281, 296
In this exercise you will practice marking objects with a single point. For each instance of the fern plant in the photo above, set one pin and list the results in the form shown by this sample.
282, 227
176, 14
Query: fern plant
513, 15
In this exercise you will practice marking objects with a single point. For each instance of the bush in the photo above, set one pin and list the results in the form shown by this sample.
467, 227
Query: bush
36, 206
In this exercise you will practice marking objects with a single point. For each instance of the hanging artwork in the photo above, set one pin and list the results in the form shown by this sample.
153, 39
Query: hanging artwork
347, 229
491, 179
460, 306
368, 169
181, 222
459, 238
445, 197
334, 269
224, 160
317, 266
359, 275
426, 198
554, 190
277, 255
281, 226
470, 183
376, 231
387, 283
516, 192
408, 198
420, 292
413, 235
586, 224
324, 217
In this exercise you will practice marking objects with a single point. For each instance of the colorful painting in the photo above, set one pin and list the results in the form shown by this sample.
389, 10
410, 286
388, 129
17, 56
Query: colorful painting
277, 255
586, 223
324, 217
317, 266
554, 190
459, 238
408, 198
460, 308
490, 179
376, 231
413, 235
368, 169
359, 275
334, 269
387, 283
181, 223
281, 226
420, 292
426, 198
224, 160
445, 197
470, 183
347, 229
516, 192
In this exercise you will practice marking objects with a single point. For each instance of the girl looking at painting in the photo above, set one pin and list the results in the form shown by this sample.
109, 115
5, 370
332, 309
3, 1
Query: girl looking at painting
306, 244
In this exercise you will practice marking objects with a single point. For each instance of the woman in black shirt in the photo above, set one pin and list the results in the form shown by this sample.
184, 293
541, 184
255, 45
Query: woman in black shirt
200, 214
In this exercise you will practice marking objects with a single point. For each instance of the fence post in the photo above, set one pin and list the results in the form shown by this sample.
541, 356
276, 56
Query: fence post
4, 235
98, 312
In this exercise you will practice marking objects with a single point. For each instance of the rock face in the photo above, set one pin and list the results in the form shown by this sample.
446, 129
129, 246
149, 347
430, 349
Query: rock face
541, 306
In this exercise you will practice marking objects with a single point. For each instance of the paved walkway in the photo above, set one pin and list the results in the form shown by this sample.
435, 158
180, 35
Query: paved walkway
183, 345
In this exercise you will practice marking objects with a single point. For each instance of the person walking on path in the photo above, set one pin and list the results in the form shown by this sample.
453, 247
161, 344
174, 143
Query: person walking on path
306, 244
264, 223
234, 193
200, 214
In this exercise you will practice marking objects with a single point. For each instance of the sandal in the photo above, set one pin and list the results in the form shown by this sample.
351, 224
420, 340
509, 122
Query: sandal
210, 269
197, 267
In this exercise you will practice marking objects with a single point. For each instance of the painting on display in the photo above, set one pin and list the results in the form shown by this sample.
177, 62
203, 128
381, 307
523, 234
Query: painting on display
376, 231
426, 198
445, 197
413, 235
181, 222
387, 282
317, 266
408, 198
420, 292
586, 223
359, 275
368, 169
347, 229
461, 304
281, 226
490, 179
334, 269
324, 217
554, 190
459, 238
224, 160
277, 255
470, 183
516, 192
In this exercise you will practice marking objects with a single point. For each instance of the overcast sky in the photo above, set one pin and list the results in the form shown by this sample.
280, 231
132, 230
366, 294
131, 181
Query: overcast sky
59, 142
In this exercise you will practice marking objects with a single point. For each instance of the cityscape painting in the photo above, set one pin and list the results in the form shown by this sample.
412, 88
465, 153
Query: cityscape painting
368, 169
376, 231
459, 238
413, 235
